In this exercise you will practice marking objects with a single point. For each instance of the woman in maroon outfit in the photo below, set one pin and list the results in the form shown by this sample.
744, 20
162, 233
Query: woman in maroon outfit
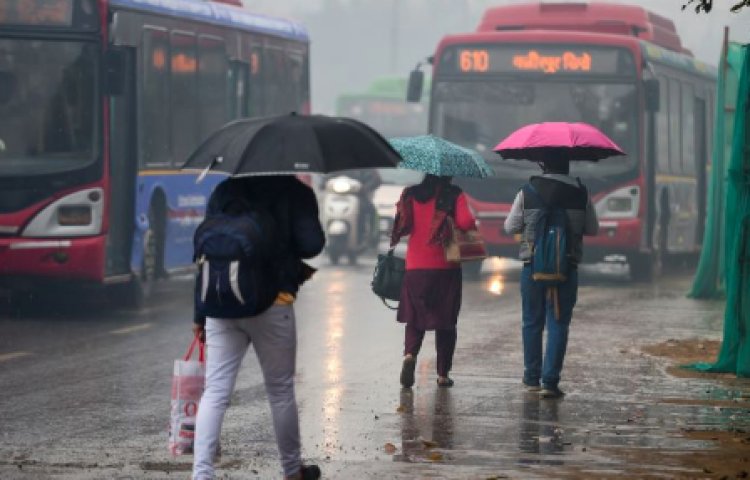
431, 292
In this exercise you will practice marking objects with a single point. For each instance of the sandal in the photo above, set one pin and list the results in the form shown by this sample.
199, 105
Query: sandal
447, 382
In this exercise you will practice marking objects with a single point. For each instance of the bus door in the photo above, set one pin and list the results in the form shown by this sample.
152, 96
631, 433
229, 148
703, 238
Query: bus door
123, 167
701, 163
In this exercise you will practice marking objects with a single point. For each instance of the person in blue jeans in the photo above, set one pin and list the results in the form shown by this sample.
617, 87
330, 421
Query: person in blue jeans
555, 187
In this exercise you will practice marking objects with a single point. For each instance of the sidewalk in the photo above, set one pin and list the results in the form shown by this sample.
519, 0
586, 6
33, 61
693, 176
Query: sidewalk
626, 414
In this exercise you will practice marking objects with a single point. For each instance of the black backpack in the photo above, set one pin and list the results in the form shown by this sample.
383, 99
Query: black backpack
234, 249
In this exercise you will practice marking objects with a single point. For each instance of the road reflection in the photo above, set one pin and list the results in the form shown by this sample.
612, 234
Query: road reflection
426, 434
539, 432
336, 313
496, 285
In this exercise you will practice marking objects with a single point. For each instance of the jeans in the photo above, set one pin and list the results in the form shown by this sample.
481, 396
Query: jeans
539, 309
274, 335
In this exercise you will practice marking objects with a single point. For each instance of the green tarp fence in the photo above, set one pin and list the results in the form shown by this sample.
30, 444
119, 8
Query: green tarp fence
725, 260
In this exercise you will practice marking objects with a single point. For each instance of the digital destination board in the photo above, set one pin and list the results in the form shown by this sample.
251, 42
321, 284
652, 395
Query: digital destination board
75, 14
36, 12
544, 60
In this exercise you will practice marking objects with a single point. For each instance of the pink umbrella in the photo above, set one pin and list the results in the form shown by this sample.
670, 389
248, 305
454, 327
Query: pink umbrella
572, 141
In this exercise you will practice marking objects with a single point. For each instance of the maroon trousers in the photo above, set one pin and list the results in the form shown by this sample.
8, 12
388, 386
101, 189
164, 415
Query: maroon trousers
445, 345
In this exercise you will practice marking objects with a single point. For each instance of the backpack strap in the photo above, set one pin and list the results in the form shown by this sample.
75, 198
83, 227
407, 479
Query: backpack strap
531, 189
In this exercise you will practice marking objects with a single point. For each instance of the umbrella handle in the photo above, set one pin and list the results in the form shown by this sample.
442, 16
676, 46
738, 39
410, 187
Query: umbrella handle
209, 167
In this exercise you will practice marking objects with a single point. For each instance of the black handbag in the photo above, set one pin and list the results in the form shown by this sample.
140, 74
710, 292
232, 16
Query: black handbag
388, 277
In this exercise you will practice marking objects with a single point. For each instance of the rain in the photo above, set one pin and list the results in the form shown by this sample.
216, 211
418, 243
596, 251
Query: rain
117, 140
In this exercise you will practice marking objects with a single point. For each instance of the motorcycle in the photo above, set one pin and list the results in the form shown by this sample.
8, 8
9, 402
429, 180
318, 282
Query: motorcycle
348, 234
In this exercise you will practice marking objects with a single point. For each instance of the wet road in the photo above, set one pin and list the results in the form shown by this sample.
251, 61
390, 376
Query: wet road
85, 391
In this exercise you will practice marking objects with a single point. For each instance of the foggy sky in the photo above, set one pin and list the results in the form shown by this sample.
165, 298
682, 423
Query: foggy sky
346, 57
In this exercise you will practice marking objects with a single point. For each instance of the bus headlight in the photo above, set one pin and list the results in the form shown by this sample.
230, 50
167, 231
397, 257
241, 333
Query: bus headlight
621, 203
75, 215
343, 184
340, 185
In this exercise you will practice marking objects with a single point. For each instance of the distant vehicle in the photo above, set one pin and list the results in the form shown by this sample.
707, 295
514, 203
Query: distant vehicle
383, 106
101, 101
348, 233
620, 68
386, 196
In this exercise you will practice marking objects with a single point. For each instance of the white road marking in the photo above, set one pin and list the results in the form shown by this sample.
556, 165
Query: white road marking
134, 328
10, 356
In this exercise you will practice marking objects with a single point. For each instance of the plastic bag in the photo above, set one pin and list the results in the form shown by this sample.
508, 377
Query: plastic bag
188, 380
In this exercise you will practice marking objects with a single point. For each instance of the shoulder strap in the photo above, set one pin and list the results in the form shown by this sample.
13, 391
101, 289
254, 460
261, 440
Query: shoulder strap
529, 188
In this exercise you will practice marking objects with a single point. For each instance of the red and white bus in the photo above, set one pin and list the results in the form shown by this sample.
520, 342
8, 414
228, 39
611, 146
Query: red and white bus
620, 68
101, 101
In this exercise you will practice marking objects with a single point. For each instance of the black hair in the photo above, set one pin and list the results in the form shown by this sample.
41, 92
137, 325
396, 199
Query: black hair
427, 189
561, 167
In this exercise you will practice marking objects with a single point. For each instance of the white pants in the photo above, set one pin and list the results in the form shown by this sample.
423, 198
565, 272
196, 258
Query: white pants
274, 335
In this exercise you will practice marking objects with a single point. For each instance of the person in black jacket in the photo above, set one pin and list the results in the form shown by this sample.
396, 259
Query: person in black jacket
273, 332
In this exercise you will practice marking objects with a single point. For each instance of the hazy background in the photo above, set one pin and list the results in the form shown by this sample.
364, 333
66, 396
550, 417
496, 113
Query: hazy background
355, 41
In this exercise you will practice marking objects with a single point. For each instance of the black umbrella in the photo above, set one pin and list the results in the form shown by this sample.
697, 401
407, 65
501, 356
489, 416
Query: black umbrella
292, 144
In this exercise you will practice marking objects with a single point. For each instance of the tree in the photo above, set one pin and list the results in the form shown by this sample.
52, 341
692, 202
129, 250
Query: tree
706, 5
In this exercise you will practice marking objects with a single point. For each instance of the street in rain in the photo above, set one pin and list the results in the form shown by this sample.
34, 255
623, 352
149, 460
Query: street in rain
86, 394
140, 138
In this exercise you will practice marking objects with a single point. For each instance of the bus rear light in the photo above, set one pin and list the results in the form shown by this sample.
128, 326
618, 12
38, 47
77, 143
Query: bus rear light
621, 203
74, 215
78, 214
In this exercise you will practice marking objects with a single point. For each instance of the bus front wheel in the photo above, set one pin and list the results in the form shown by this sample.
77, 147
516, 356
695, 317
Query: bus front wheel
141, 286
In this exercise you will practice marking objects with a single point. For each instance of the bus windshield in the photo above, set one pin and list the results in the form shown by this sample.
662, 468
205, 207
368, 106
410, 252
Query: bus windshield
47, 106
479, 114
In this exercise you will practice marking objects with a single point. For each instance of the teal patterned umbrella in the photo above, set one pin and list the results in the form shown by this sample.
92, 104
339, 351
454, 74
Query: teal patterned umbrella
431, 154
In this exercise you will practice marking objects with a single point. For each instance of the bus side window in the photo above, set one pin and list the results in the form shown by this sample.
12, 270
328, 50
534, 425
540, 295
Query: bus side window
154, 122
306, 83
212, 84
274, 81
662, 128
675, 135
184, 123
256, 97
295, 85
688, 129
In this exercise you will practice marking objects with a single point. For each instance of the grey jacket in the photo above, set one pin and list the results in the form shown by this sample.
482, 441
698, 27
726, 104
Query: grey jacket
555, 189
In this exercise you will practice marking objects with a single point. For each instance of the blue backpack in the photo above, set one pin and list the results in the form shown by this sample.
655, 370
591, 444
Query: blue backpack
235, 250
550, 261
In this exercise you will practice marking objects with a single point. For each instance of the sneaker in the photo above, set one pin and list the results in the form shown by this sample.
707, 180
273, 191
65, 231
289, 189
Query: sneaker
407, 372
530, 387
310, 472
551, 392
